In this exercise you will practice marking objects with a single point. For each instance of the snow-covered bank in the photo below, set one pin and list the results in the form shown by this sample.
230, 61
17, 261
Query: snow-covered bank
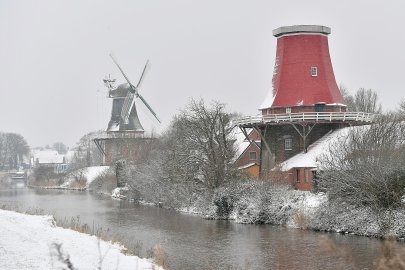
31, 242
253, 202
87, 174
305, 210
80, 179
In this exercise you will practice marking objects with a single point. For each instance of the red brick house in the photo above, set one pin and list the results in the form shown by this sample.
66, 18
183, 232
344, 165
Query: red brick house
248, 153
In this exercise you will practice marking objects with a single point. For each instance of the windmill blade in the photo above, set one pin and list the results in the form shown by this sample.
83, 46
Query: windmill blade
127, 106
143, 73
123, 73
149, 107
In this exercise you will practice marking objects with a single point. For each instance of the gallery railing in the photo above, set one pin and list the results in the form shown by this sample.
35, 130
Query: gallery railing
306, 117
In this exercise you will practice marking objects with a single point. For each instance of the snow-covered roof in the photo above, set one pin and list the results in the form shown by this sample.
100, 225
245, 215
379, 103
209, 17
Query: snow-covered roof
240, 141
315, 150
48, 156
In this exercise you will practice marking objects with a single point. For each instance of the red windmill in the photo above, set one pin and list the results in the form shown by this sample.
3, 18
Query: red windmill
305, 102
303, 79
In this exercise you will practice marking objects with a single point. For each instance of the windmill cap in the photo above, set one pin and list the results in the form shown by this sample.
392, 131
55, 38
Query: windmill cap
296, 29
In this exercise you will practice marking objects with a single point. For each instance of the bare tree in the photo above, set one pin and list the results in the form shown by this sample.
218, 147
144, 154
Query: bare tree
348, 98
367, 169
367, 101
200, 145
60, 147
363, 101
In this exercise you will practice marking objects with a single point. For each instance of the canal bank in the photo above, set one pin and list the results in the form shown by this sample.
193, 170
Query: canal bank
249, 202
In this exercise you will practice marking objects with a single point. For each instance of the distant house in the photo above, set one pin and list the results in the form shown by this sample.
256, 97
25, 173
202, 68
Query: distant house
248, 153
50, 159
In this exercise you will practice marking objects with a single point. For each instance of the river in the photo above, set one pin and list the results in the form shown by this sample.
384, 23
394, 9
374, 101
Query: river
194, 243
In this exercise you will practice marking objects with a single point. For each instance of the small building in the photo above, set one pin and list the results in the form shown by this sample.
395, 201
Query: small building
248, 153
50, 159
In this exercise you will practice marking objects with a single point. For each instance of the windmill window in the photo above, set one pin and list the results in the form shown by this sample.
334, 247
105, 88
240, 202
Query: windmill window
314, 71
288, 144
288, 110
252, 155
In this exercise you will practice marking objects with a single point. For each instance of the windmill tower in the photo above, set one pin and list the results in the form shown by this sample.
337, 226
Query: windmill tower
305, 102
124, 137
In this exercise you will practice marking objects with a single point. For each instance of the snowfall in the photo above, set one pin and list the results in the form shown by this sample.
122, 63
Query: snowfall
29, 242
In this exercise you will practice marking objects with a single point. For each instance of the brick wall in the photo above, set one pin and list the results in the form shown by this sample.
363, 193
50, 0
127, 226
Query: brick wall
244, 158
305, 181
131, 149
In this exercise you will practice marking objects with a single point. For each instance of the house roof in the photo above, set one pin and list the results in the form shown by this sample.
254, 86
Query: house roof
48, 157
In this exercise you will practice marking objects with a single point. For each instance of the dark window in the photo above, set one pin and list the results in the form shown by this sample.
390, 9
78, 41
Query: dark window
252, 155
297, 175
306, 176
288, 144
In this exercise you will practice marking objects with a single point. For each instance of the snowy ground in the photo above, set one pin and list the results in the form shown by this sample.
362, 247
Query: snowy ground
30, 242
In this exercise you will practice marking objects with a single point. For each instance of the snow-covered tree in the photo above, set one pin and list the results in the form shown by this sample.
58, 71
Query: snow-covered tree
367, 169
402, 108
13, 147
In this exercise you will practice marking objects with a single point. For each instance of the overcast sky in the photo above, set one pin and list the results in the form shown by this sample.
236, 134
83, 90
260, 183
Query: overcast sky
54, 55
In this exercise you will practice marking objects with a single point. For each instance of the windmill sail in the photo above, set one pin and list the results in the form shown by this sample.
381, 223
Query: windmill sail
149, 107
127, 106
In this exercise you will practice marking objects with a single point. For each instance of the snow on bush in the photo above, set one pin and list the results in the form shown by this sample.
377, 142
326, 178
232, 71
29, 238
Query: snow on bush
120, 193
258, 202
